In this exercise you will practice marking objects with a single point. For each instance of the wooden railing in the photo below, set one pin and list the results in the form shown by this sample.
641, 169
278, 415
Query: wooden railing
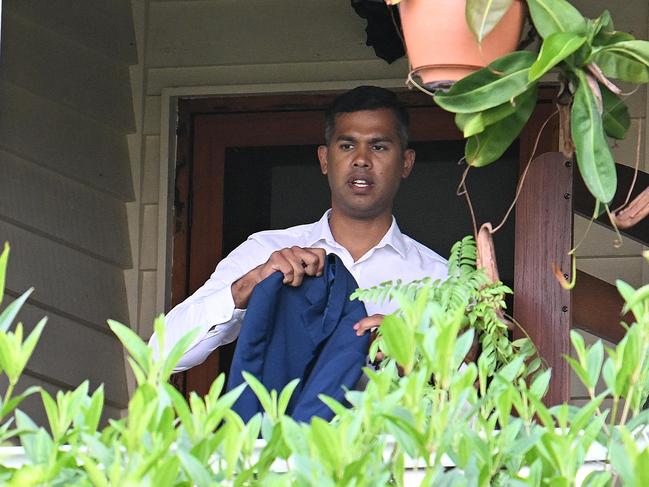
597, 304
584, 203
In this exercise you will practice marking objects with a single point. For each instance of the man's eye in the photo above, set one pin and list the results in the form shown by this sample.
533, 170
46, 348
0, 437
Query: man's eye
379, 147
346, 146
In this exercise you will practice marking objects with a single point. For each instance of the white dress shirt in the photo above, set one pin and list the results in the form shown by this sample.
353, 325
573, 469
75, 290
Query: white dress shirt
211, 308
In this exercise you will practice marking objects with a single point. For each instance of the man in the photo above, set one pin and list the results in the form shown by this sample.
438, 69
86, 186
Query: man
365, 157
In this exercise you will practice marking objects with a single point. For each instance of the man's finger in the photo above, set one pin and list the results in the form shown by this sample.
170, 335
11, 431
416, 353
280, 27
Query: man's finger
278, 263
296, 264
310, 260
321, 254
368, 323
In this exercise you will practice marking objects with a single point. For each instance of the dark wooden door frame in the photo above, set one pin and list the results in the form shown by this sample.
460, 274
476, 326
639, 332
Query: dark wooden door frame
197, 207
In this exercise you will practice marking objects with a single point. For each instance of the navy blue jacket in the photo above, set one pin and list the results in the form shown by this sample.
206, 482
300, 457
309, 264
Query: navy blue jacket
304, 332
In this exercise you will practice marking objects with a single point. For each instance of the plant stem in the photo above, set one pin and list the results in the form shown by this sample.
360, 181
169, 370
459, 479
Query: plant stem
10, 390
616, 401
634, 380
591, 393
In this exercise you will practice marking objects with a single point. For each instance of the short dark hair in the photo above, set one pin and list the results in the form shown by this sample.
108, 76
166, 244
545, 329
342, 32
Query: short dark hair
368, 98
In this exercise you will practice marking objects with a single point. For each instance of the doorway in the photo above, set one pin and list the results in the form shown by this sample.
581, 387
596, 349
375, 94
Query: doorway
250, 164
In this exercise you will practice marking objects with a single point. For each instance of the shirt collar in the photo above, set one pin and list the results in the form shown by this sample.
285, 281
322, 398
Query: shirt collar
393, 237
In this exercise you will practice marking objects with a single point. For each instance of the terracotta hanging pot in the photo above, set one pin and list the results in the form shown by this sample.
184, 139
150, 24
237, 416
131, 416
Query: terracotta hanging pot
441, 48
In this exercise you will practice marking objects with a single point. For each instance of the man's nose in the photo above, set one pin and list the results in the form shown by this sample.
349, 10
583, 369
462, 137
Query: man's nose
362, 158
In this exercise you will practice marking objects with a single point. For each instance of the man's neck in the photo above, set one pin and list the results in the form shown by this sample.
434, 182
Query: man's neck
358, 236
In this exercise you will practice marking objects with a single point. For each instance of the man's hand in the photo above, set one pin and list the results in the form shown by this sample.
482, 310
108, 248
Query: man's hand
294, 263
370, 323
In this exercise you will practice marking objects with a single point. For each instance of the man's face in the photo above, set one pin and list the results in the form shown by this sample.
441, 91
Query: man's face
364, 163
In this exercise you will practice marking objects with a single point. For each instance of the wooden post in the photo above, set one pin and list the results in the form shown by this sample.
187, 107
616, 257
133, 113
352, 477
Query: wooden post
544, 236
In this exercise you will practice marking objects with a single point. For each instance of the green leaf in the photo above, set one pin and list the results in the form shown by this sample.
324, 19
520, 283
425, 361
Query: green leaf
10, 353
641, 468
260, 391
30, 343
638, 297
11, 311
4, 258
557, 47
399, 339
607, 38
594, 360
176, 353
95, 474
285, 396
463, 345
585, 416
182, 408
489, 145
579, 370
616, 118
577, 341
619, 66
621, 462
602, 25
324, 439
52, 412
136, 347
294, 435
609, 375
540, 384
482, 16
638, 50
474, 123
194, 469
597, 479
512, 370
628, 293
488, 87
92, 413
37, 444
15, 401
594, 157
332, 404
550, 16
166, 473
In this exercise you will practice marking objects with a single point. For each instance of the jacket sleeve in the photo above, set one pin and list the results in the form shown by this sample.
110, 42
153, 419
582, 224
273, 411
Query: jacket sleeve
211, 308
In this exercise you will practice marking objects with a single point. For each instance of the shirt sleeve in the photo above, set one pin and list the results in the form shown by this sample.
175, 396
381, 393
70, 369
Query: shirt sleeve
211, 308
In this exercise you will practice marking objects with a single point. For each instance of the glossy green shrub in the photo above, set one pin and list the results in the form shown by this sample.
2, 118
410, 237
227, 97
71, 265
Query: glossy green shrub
422, 408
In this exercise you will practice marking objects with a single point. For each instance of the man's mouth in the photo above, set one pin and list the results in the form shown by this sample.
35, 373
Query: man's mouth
360, 183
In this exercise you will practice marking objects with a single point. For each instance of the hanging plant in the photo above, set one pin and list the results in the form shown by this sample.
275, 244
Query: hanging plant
493, 104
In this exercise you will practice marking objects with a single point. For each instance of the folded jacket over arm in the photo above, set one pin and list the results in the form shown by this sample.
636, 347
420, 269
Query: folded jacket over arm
301, 332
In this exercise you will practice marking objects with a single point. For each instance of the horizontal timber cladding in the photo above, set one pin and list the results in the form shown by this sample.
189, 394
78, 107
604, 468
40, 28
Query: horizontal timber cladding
253, 32
65, 280
64, 141
70, 352
66, 72
106, 26
65, 210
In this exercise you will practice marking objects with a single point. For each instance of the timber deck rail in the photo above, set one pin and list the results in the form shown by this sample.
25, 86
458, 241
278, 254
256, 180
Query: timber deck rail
596, 304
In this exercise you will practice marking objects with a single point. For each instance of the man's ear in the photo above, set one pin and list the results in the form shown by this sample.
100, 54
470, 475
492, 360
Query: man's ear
408, 162
322, 157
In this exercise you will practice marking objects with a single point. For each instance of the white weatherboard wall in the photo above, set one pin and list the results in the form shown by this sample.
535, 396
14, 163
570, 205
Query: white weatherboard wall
212, 47
66, 109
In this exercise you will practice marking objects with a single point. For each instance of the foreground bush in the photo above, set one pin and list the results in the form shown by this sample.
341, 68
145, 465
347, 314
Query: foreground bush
422, 407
